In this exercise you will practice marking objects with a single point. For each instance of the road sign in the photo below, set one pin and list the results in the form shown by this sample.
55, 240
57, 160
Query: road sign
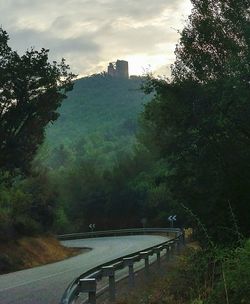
172, 219
92, 226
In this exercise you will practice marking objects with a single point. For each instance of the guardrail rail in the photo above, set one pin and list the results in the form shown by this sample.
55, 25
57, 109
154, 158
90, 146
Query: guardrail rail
87, 282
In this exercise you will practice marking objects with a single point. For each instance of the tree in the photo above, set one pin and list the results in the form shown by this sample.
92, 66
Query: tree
200, 119
31, 90
215, 42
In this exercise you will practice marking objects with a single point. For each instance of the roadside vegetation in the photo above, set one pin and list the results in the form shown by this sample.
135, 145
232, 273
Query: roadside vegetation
31, 90
199, 123
197, 276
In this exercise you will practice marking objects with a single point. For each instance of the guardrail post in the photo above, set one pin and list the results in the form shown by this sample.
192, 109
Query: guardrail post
131, 276
166, 247
145, 255
171, 249
178, 245
110, 272
175, 246
158, 254
158, 258
183, 238
89, 286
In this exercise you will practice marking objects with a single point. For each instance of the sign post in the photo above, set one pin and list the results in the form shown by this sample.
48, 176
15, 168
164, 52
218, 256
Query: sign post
172, 219
92, 227
143, 221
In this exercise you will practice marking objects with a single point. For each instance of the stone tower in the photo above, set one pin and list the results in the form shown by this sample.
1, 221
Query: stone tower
118, 69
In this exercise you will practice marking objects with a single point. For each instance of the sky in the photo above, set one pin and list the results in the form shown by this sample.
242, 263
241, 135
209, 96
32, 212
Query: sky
91, 33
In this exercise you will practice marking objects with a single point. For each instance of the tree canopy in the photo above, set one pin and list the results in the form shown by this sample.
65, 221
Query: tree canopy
215, 42
31, 90
200, 119
98, 122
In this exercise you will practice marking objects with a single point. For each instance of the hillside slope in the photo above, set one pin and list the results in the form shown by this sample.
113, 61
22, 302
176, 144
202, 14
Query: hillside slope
99, 119
29, 252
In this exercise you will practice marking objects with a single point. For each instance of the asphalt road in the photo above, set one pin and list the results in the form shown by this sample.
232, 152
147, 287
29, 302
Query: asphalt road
46, 284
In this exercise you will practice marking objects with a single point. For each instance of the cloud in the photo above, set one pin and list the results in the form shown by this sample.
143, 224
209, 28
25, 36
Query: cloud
90, 33
58, 45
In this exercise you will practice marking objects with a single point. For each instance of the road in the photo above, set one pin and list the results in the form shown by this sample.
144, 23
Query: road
46, 284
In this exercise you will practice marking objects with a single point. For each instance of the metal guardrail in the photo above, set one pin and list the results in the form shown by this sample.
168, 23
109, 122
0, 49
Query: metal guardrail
87, 282
117, 232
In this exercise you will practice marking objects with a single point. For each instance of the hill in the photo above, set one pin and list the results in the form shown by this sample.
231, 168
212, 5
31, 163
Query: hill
98, 120
28, 252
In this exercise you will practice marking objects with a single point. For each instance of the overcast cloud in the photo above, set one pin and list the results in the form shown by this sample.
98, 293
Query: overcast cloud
90, 33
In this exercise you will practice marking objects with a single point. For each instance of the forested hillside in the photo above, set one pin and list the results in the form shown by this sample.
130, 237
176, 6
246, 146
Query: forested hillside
98, 120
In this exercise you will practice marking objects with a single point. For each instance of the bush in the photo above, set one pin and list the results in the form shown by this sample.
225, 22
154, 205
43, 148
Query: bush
213, 276
27, 206
61, 223
234, 285
14, 206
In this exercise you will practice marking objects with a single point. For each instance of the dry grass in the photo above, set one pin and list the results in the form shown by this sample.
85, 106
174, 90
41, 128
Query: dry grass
163, 287
32, 251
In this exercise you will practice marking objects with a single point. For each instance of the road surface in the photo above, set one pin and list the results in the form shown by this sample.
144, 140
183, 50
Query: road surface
46, 284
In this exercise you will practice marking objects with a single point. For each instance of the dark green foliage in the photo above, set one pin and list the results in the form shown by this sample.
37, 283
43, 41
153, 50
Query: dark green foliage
13, 206
31, 90
230, 273
215, 42
90, 152
116, 198
211, 276
199, 121
98, 121
98, 104
27, 206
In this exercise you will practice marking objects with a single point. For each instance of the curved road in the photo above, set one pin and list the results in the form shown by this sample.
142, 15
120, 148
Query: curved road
46, 284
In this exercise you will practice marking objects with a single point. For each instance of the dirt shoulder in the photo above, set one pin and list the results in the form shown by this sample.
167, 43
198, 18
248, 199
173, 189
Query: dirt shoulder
159, 288
29, 252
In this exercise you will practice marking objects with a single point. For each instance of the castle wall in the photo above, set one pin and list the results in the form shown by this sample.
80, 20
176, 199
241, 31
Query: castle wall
118, 69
